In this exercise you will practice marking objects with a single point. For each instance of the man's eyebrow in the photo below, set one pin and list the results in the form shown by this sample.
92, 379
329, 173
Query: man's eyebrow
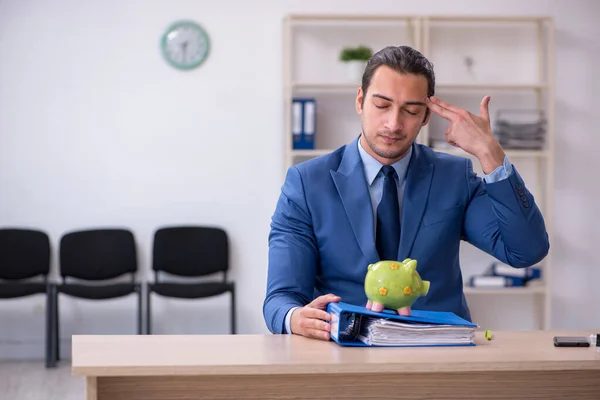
414, 103
383, 97
408, 103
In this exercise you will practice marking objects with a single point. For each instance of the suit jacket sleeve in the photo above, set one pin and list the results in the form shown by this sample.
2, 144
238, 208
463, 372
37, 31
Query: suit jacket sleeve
293, 254
503, 220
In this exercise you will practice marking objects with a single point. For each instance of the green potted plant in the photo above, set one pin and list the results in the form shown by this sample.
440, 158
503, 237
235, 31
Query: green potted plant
356, 59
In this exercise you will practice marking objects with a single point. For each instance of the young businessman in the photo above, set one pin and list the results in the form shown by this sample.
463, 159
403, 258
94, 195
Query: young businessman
383, 196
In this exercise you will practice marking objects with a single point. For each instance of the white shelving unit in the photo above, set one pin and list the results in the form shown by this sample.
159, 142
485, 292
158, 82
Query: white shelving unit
505, 57
311, 47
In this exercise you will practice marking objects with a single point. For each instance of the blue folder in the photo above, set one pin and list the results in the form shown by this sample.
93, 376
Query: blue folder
304, 116
345, 322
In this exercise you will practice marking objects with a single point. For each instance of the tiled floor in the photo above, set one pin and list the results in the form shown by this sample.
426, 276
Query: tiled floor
30, 380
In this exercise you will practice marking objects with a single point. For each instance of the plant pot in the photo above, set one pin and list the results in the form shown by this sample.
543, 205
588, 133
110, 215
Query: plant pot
355, 69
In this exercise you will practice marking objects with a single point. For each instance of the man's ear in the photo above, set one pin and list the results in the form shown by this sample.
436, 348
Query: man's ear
359, 101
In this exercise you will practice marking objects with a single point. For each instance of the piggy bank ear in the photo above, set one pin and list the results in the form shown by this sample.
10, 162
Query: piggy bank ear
370, 267
411, 266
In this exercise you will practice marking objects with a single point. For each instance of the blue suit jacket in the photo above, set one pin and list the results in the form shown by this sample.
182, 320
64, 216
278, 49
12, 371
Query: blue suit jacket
322, 232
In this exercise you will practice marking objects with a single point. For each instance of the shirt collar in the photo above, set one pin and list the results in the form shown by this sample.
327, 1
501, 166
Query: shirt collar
373, 167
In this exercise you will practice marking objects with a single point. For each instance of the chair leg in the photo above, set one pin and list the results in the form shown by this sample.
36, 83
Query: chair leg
148, 312
56, 327
50, 359
233, 327
139, 311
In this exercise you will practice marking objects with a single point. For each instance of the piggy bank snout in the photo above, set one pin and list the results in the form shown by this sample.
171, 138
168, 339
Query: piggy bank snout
425, 285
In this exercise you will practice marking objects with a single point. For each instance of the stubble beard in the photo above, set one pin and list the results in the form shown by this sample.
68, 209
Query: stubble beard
390, 154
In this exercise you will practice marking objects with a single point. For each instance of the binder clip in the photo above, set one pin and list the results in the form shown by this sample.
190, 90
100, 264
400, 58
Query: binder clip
488, 334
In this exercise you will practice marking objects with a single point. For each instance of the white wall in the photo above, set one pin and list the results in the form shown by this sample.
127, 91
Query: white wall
97, 130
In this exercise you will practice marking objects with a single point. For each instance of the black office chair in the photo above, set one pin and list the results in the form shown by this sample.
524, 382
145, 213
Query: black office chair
190, 251
24, 256
95, 256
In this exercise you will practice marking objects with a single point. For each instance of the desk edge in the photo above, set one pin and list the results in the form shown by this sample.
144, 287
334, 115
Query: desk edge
403, 368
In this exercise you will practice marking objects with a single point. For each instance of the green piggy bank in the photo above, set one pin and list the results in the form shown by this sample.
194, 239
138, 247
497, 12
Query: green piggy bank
394, 285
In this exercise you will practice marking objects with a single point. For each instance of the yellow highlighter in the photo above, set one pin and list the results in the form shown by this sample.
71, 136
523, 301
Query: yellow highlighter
488, 334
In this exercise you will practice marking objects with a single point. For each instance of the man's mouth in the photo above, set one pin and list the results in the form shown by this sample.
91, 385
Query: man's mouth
391, 139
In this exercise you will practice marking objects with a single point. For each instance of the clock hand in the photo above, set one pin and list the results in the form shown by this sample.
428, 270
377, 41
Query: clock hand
184, 49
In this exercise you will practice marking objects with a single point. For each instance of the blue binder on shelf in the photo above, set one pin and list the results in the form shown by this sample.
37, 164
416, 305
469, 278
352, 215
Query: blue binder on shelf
496, 281
357, 326
501, 269
304, 116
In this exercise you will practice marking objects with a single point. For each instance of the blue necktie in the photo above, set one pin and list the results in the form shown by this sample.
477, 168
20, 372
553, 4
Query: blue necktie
388, 217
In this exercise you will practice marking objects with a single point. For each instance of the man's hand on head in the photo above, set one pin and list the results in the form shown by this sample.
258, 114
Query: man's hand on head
470, 132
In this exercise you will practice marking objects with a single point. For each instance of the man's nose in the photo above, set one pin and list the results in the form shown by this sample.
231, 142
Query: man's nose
394, 121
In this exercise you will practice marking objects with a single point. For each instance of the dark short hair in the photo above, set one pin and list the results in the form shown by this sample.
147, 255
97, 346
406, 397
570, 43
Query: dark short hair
403, 59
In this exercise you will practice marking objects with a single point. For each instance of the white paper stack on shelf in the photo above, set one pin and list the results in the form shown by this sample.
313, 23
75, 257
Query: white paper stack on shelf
384, 332
520, 129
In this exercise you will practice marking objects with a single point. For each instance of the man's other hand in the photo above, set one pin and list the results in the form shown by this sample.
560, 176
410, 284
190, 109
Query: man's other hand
470, 132
312, 320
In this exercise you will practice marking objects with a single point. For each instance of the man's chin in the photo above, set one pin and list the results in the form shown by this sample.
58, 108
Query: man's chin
391, 152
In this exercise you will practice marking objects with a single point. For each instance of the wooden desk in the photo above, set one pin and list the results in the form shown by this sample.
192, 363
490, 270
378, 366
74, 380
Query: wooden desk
514, 365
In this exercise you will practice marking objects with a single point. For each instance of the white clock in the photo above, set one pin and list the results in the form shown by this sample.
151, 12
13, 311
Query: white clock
185, 45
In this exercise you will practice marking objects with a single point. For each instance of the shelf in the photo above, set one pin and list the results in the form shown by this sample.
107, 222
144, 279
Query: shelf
348, 18
510, 153
490, 86
352, 87
510, 291
310, 153
473, 56
346, 87
487, 19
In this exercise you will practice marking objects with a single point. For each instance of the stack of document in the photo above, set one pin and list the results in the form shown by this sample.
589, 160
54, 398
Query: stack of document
353, 325
521, 129
384, 332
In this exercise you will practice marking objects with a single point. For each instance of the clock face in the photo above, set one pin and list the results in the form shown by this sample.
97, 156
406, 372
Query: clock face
185, 45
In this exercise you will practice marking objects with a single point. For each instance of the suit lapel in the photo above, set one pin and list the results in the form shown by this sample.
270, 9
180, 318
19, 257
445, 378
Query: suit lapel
416, 193
352, 188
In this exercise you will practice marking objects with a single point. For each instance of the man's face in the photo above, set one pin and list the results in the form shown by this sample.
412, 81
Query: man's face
392, 113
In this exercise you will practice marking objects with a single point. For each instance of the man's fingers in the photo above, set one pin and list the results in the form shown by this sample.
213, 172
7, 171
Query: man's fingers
308, 312
318, 325
313, 320
317, 334
322, 301
445, 105
313, 323
441, 111
483, 108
